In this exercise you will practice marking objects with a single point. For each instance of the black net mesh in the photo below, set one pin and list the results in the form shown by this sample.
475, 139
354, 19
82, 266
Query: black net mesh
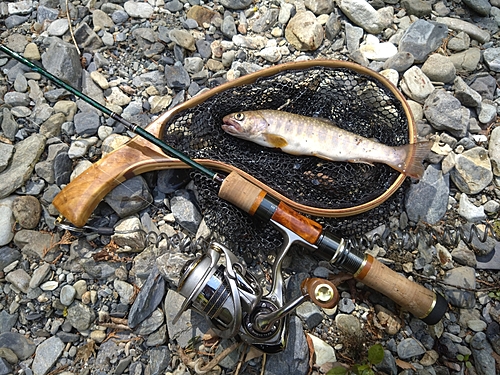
356, 102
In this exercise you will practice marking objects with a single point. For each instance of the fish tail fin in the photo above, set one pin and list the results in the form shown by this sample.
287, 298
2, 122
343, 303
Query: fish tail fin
413, 167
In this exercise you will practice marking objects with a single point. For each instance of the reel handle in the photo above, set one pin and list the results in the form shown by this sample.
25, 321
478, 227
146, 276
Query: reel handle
418, 300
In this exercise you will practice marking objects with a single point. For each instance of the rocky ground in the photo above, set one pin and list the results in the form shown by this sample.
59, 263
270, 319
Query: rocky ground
94, 304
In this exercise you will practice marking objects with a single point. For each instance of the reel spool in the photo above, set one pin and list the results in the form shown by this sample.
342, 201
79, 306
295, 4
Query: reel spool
232, 300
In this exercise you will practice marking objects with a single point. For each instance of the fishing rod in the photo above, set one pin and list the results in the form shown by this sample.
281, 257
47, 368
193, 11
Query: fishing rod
295, 228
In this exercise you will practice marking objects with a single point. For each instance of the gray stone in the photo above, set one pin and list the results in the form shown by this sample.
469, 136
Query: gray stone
494, 150
488, 112
416, 84
129, 235
7, 321
310, 314
21, 167
129, 197
428, 199
20, 279
348, 324
9, 126
80, 316
174, 6
15, 99
439, 68
466, 61
265, 22
462, 277
62, 60
20, 345
7, 256
470, 211
86, 38
481, 7
150, 324
492, 58
422, 38
409, 348
185, 211
460, 42
67, 296
463, 255
39, 275
388, 364
46, 355
346, 305
295, 358
177, 77
400, 62
456, 24
417, 8
482, 354
362, 14
445, 112
159, 359
37, 245
58, 27
125, 291
353, 35
148, 299
465, 94
472, 172
15, 20
319, 7
236, 4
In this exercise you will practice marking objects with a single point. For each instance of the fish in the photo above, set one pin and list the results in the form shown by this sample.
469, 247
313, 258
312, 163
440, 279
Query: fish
311, 136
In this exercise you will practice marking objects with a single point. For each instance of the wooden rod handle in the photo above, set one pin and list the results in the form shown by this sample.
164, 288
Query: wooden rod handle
255, 201
418, 300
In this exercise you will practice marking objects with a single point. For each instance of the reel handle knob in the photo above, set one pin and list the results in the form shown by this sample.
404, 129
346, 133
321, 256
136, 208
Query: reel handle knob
321, 292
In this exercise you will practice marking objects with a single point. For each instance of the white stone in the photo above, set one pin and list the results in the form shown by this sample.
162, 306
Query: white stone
372, 49
416, 84
324, 352
138, 9
7, 221
392, 75
59, 27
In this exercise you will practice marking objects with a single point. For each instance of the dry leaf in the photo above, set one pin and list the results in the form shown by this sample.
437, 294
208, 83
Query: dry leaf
404, 365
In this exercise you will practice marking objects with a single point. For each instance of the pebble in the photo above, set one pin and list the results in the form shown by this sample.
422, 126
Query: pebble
46, 355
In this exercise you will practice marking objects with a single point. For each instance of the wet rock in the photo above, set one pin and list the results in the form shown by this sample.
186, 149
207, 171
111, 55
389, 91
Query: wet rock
422, 38
432, 184
304, 32
63, 61
129, 197
46, 355
472, 172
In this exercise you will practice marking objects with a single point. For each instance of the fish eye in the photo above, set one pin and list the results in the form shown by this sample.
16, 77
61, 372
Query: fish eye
239, 116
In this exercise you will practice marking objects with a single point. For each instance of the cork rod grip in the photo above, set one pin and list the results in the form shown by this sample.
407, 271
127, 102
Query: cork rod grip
412, 297
252, 199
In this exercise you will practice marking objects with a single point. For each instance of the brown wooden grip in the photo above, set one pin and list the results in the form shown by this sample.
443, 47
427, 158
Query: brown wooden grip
306, 228
409, 295
252, 199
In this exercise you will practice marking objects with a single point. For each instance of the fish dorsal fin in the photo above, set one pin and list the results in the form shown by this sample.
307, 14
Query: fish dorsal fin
275, 140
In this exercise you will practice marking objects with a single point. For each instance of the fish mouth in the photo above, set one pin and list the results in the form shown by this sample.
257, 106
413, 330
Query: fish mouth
230, 125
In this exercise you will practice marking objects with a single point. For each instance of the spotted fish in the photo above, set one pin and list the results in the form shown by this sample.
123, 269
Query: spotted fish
301, 135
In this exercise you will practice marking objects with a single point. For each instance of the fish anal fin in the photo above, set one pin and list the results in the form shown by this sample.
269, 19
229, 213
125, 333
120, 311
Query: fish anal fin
359, 161
276, 140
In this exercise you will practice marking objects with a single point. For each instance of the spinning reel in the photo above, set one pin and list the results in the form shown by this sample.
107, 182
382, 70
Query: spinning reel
232, 300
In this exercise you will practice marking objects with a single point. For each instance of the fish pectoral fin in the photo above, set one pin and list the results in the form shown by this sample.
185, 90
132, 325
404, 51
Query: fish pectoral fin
275, 140
360, 161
